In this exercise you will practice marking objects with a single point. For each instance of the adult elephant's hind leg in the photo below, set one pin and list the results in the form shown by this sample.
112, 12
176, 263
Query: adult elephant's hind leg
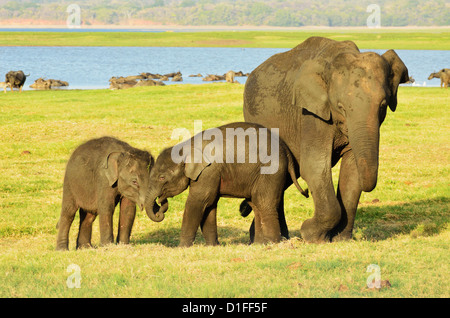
349, 192
282, 219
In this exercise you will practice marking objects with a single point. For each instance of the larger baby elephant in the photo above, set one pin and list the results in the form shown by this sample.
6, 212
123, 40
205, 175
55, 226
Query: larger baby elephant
99, 174
229, 166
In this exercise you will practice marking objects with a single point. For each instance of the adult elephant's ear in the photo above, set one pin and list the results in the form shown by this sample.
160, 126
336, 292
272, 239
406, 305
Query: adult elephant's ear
310, 90
194, 164
111, 167
399, 74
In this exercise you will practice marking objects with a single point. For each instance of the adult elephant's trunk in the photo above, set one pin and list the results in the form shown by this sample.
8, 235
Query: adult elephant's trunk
364, 139
154, 211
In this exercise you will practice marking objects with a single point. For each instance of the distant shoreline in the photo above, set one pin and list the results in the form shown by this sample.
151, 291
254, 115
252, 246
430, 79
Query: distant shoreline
190, 28
175, 36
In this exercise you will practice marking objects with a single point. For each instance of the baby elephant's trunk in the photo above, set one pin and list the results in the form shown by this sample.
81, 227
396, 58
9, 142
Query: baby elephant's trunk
156, 212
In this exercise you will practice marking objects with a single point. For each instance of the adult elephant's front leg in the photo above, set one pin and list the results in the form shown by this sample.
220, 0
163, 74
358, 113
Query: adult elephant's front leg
327, 212
349, 192
315, 168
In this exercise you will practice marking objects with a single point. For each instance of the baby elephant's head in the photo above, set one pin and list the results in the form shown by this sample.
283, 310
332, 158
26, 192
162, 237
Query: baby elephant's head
130, 172
168, 178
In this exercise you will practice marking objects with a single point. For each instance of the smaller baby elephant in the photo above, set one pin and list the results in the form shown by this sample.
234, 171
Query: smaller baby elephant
243, 160
99, 174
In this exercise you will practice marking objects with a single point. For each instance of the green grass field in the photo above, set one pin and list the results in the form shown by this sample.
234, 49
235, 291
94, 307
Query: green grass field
411, 39
402, 226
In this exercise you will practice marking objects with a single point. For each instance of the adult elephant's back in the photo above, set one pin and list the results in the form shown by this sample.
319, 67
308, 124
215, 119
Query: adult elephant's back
268, 93
268, 90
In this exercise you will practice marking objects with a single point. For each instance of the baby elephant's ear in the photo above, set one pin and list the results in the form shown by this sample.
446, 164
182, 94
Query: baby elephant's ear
192, 168
111, 167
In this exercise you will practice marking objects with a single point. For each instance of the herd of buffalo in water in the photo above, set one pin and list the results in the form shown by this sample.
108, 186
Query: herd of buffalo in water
16, 79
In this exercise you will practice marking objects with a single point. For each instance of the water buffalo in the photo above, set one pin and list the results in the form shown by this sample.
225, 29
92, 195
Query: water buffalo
15, 79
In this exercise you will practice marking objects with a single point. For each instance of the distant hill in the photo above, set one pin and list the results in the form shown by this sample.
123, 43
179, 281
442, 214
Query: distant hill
291, 13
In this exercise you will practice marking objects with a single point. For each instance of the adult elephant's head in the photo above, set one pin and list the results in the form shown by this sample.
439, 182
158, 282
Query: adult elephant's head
353, 90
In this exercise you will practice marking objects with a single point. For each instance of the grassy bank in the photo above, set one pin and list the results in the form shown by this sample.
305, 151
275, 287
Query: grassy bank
427, 39
402, 226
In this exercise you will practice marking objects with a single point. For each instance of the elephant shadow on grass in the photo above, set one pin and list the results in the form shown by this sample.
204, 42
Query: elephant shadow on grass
375, 221
170, 237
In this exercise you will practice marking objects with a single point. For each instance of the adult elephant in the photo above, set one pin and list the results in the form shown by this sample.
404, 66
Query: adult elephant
328, 100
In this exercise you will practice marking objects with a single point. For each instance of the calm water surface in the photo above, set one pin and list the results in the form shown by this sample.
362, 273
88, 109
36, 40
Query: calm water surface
91, 67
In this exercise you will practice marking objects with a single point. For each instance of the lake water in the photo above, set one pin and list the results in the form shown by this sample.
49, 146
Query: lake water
91, 67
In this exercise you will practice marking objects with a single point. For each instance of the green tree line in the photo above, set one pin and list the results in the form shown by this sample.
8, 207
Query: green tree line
291, 13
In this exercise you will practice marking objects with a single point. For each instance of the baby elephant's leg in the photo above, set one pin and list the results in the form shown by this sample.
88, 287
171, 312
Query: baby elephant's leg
85, 230
197, 203
126, 220
267, 225
68, 211
209, 225
106, 206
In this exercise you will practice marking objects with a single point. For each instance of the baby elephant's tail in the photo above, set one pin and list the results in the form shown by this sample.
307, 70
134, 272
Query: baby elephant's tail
293, 177
245, 208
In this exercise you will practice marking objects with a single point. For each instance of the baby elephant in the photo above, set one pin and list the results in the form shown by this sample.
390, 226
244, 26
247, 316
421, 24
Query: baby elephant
243, 160
99, 174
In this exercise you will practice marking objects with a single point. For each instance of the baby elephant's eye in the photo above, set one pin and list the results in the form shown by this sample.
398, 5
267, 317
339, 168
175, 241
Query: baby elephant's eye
161, 178
135, 182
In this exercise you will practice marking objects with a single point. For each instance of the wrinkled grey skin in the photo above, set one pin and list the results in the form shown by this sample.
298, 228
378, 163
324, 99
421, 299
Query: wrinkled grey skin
209, 180
15, 79
99, 174
328, 100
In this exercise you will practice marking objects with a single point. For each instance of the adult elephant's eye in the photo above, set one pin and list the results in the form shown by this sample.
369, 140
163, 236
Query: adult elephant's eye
135, 182
162, 178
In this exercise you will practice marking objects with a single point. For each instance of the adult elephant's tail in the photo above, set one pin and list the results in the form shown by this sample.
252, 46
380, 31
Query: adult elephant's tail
291, 170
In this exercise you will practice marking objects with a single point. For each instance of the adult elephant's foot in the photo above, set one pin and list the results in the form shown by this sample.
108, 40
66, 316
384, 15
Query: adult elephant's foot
186, 242
312, 233
343, 236
62, 247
